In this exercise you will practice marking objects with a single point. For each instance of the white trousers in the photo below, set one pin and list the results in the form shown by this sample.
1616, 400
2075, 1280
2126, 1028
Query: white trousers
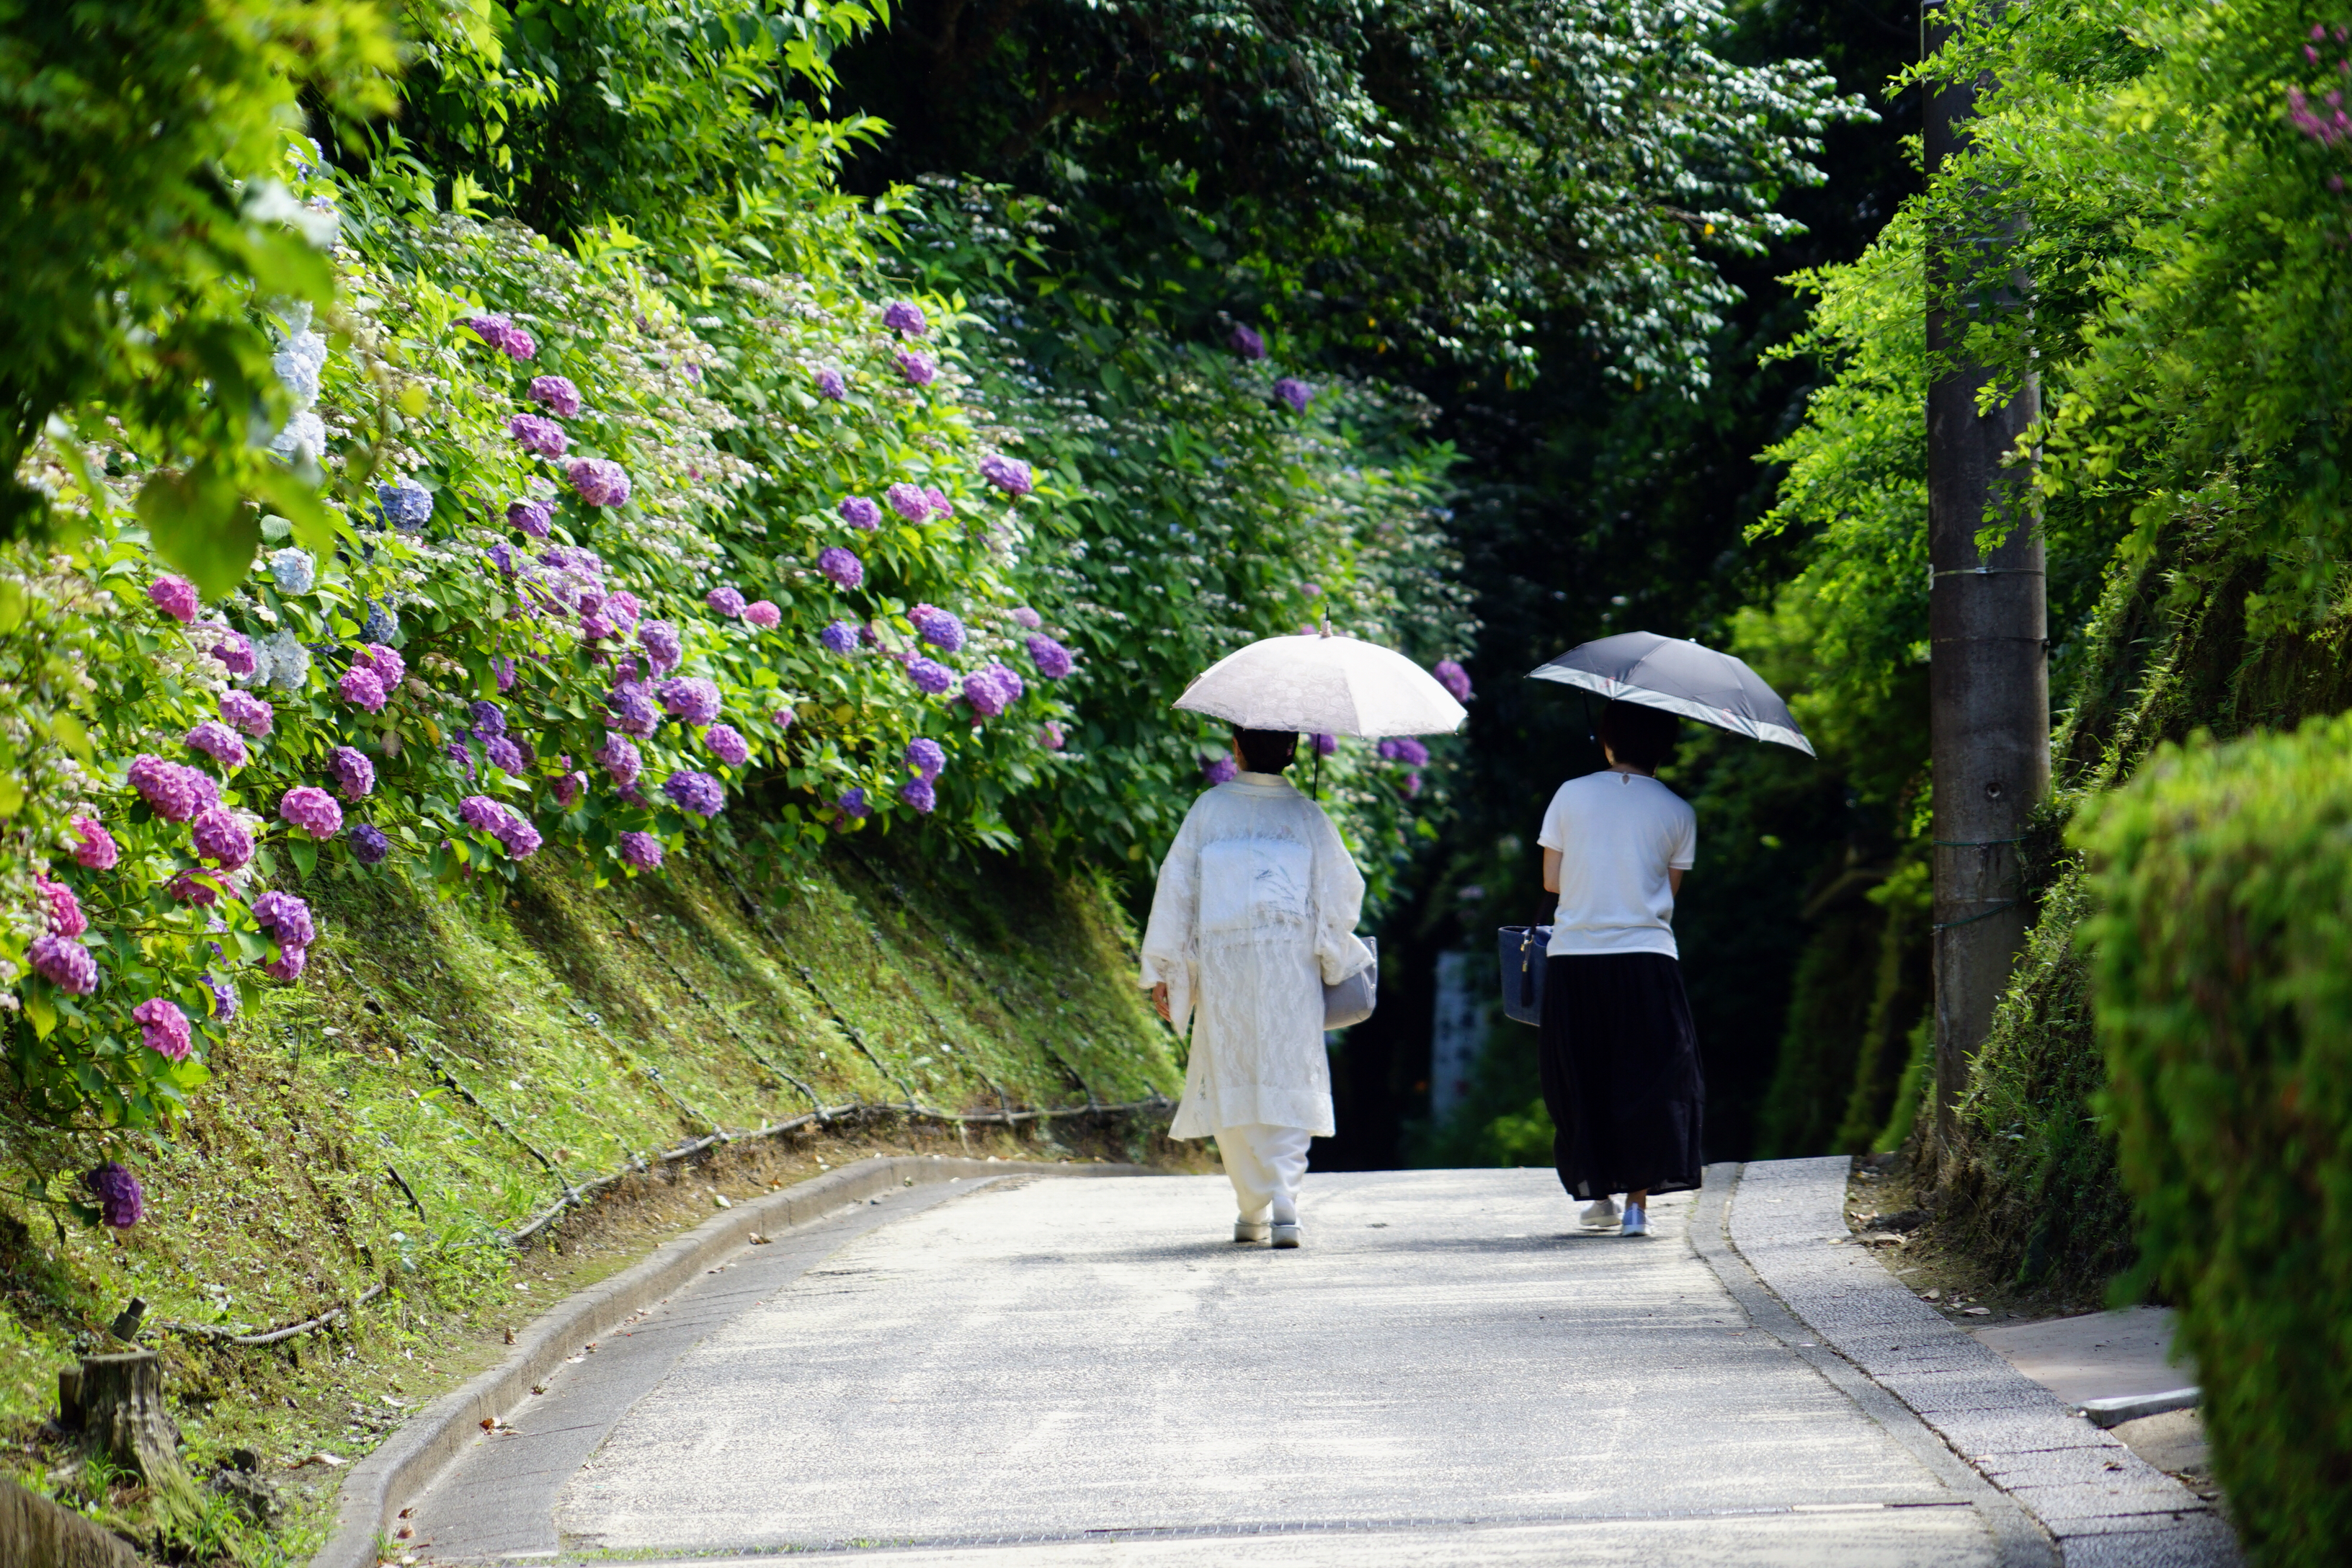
1265, 1164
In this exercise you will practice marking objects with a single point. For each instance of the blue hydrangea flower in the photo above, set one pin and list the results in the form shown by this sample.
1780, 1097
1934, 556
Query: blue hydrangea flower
383, 624
696, 792
405, 505
369, 845
490, 720
926, 757
839, 637
293, 570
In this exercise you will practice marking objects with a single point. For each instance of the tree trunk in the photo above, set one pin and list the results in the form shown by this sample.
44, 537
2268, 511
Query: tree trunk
126, 1420
1988, 678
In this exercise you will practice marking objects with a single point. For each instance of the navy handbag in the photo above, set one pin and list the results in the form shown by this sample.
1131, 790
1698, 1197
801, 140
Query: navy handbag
1522, 950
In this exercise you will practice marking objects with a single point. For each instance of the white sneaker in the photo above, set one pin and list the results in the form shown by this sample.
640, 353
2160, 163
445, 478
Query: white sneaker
1598, 1214
1637, 1220
1251, 1230
1286, 1233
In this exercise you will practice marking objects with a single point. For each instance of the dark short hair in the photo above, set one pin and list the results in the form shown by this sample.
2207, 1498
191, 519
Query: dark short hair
1267, 750
1638, 736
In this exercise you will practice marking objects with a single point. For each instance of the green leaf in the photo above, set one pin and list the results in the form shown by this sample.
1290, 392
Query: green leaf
201, 526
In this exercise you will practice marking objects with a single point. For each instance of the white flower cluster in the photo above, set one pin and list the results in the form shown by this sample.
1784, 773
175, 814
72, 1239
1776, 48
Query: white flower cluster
300, 358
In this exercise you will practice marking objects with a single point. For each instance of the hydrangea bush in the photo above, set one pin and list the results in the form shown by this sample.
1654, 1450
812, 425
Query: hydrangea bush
605, 575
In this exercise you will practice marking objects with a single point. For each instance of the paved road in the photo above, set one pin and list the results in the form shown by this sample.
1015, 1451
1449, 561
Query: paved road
1081, 1373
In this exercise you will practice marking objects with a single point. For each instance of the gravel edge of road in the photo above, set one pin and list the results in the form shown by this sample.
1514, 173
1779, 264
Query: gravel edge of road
2103, 1505
2021, 1541
408, 1461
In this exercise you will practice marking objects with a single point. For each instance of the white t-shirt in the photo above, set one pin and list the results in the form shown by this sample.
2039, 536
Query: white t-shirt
1617, 834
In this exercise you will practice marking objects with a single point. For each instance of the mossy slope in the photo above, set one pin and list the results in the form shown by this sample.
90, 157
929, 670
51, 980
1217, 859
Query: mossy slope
449, 1066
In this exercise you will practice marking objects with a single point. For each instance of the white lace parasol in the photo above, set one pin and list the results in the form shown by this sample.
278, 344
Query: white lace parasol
1324, 685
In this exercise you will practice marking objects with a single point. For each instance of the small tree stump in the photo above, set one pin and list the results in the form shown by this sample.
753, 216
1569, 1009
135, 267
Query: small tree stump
123, 1412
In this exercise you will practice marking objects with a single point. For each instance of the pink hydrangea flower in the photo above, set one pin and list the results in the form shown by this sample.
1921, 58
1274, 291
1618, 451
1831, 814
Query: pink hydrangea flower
220, 837
175, 596
384, 663
1010, 475
727, 744
725, 600
94, 846
235, 651
64, 910
763, 614
163, 1026
218, 741
172, 792
312, 810
247, 712
909, 501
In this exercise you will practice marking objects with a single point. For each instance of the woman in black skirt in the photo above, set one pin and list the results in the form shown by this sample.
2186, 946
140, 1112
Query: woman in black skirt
1621, 1073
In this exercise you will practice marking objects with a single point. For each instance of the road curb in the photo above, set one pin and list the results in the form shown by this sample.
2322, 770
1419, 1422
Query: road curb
409, 1461
2102, 1504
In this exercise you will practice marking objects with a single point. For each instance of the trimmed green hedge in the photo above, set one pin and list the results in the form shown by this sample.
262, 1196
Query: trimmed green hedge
2222, 966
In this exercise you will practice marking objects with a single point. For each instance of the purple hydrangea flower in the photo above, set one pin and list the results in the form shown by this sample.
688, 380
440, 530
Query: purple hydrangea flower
488, 719
696, 792
286, 917
556, 394
1294, 392
1056, 735
385, 663
1010, 475
920, 793
840, 566
906, 317
360, 688
839, 637
693, 698
728, 744
533, 516
1246, 342
642, 851
218, 741
175, 596
404, 505
917, 368
1219, 770
502, 670
1406, 749
926, 757
224, 997
481, 812
220, 837
1052, 660
831, 384
909, 501
938, 500
724, 601
618, 757
539, 434
519, 836
600, 481
1412, 785
163, 1026
504, 754
369, 845
660, 641
94, 846
501, 333
120, 1203
991, 690
633, 711
929, 675
937, 627
783, 718
1325, 744
852, 805
235, 651
763, 614
173, 793
1025, 617
860, 513
247, 712
312, 810
64, 963
1454, 678
288, 965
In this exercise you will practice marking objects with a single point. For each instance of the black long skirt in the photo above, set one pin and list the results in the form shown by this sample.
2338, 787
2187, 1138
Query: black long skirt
1621, 1074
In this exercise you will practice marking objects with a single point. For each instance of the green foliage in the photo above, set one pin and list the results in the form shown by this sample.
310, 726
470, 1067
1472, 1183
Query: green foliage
140, 220
1468, 182
2224, 1008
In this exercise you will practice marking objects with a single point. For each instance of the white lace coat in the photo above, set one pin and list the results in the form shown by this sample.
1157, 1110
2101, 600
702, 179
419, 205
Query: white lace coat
1254, 913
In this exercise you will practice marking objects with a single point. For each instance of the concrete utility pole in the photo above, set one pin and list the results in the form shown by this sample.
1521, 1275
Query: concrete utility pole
1988, 674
